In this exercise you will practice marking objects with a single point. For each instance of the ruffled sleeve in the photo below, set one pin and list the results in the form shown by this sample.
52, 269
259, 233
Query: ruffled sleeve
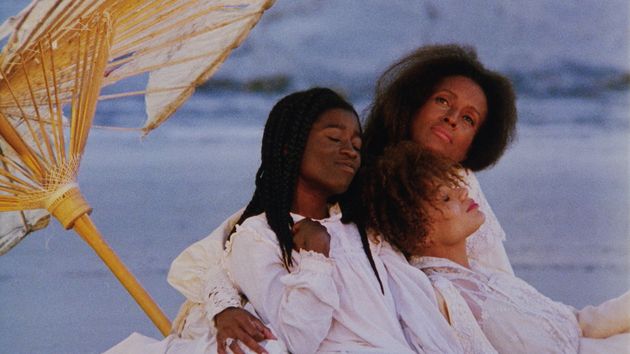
486, 244
299, 304
197, 272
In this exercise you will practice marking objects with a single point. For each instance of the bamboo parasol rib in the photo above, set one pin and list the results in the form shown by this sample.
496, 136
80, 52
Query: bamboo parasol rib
61, 53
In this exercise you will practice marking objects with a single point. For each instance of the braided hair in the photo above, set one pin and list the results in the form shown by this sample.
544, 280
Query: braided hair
284, 140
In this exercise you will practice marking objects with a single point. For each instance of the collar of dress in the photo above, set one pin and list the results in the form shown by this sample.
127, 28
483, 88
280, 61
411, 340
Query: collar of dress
426, 262
334, 212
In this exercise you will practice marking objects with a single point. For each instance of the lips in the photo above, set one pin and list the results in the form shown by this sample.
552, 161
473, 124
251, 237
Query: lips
347, 166
442, 134
472, 206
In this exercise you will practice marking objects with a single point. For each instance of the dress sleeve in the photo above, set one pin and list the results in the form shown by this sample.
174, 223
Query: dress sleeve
485, 245
299, 305
610, 318
197, 272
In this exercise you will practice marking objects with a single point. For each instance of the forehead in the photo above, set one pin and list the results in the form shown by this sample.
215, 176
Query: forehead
463, 87
337, 118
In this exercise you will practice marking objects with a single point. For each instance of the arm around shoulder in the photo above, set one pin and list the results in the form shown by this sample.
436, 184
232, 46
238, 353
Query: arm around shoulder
197, 274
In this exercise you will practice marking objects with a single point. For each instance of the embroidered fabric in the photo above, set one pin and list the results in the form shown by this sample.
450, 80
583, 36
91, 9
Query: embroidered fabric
486, 244
323, 304
426, 330
468, 332
197, 274
514, 316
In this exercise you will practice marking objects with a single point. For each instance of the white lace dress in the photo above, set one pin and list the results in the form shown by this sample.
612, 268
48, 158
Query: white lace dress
514, 316
335, 303
486, 244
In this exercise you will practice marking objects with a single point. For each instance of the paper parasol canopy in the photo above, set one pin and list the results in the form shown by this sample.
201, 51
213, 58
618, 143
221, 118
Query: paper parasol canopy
58, 56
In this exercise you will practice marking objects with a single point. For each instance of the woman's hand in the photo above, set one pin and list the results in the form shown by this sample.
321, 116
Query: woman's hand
311, 236
240, 325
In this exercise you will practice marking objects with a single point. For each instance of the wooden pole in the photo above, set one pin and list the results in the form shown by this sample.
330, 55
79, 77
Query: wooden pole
71, 209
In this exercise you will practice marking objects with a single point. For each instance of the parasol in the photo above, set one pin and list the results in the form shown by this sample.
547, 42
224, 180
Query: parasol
58, 56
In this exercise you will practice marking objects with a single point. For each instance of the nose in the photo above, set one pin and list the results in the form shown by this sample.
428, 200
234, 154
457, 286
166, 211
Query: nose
349, 150
450, 120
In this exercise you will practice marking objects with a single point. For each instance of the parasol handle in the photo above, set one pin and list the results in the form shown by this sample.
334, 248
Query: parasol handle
90, 234
72, 210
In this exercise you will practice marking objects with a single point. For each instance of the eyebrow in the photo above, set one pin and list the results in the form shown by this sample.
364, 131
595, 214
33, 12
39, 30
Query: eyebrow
454, 94
342, 127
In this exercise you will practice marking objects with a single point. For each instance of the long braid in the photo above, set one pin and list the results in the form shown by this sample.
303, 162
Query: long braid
284, 140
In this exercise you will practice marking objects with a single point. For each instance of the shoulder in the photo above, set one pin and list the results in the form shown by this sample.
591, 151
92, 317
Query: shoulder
254, 229
256, 222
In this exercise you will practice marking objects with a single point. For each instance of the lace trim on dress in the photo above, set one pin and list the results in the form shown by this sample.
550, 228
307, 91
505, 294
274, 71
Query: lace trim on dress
496, 293
490, 232
462, 320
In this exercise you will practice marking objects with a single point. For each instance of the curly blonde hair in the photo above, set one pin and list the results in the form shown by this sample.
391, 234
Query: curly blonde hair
397, 189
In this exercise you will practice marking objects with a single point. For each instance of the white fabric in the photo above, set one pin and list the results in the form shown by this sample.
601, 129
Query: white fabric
198, 275
324, 304
462, 320
16, 225
514, 316
610, 318
426, 329
486, 244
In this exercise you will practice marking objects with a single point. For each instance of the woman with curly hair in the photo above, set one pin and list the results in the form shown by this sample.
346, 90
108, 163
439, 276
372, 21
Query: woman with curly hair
419, 203
442, 98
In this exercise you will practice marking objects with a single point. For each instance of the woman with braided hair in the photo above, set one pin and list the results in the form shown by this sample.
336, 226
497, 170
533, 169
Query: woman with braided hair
308, 274
304, 271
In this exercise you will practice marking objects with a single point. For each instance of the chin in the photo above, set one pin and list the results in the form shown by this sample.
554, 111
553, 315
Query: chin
339, 188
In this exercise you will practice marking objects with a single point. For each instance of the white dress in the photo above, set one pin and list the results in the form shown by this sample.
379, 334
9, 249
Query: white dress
407, 284
514, 316
197, 273
335, 303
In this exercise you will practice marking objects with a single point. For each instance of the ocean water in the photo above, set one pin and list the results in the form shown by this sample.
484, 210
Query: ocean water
562, 192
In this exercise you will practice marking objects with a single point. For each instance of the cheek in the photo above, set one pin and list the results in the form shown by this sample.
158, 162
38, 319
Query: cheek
462, 146
419, 127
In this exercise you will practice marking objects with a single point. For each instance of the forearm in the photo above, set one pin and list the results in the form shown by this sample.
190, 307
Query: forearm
221, 293
197, 273
610, 318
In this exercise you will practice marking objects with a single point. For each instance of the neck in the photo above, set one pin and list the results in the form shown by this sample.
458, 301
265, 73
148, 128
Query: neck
309, 203
455, 253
